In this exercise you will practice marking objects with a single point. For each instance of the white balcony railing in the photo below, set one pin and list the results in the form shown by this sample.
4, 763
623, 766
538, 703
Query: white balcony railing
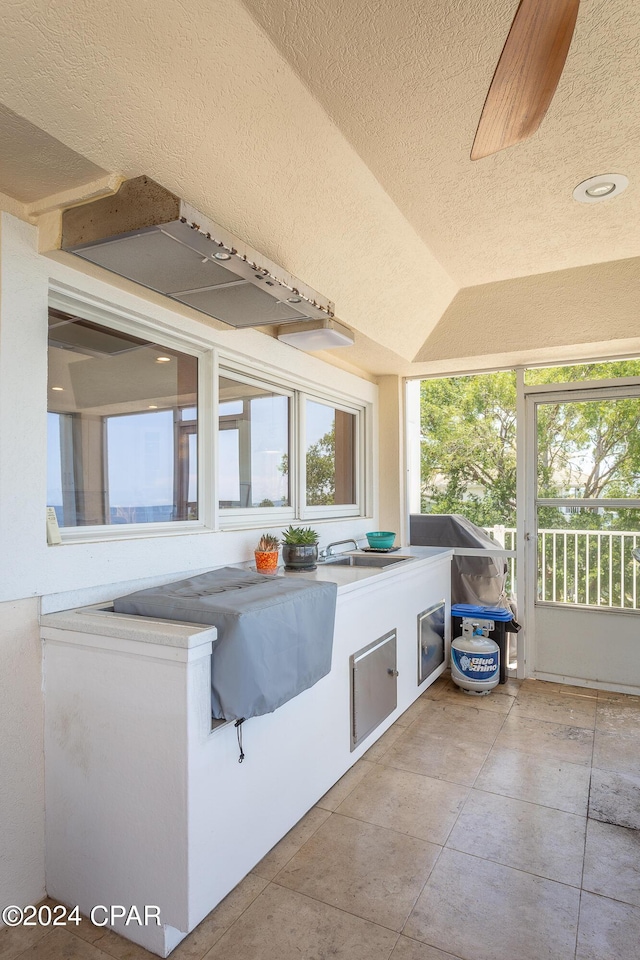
587, 567
506, 537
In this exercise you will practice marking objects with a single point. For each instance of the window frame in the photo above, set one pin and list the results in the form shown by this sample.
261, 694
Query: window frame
114, 318
214, 362
235, 366
321, 511
569, 393
239, 517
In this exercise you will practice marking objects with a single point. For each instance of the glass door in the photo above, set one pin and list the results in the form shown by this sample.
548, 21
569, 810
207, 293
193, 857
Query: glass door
585, 513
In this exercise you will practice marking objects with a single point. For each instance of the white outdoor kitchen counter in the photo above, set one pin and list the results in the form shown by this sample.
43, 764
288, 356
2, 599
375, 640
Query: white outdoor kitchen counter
350, 578
100, 619
146, 800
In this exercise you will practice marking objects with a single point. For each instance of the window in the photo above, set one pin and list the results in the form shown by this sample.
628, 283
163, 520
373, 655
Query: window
131, 425
122, 426
285, 453
330, 455
253, 445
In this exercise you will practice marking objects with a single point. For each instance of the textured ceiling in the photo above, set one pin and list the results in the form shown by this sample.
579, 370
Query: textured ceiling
198, 98
539, 312
334, 137
406, 83
34, 165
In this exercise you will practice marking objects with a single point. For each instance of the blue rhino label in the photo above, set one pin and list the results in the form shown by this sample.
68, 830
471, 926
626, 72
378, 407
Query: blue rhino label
476, 666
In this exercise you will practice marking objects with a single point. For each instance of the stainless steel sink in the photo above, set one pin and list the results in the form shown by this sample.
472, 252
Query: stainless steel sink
364, 560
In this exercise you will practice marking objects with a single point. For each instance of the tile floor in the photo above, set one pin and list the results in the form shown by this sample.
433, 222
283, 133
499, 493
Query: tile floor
500, 828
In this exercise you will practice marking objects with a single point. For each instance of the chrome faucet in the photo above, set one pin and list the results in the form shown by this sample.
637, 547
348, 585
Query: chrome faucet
328, 551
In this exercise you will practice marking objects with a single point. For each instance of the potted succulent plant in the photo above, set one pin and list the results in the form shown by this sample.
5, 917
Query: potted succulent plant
299, 548
266, 554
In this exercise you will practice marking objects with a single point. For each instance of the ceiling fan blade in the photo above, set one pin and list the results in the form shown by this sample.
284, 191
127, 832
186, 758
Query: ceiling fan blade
527, 74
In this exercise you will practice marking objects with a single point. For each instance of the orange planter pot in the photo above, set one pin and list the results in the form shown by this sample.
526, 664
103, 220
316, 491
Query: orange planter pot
266, 562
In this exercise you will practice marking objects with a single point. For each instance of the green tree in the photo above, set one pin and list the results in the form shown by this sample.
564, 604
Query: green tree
321, 470
468, 441
610, 431
468, 455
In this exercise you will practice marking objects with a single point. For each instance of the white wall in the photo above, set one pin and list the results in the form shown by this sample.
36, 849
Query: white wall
590, 647
393, 513
21, 755
217, 818
77, 573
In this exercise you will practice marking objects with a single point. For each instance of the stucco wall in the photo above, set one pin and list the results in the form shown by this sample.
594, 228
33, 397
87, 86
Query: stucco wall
392, 458
21, 755
32, 573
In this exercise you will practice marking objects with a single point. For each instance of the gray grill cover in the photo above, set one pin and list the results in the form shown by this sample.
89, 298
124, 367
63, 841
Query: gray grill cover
275, 634
477, 580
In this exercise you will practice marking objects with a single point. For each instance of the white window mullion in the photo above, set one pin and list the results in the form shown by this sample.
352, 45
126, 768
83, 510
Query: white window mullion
210, 432
294, 454
301, 458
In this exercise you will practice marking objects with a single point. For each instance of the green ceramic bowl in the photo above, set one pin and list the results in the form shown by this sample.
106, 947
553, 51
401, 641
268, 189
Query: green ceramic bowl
381, 539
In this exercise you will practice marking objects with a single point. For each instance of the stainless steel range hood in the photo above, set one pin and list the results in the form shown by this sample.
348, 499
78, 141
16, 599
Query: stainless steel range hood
149, 235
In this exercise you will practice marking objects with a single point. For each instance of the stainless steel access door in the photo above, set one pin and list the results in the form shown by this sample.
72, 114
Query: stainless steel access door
431, 633
374, 688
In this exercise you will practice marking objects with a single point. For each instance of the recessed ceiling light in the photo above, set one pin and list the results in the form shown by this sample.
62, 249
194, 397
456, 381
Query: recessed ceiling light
163, 359
602, 187
222, 256
294, 300
153, 406
58, 389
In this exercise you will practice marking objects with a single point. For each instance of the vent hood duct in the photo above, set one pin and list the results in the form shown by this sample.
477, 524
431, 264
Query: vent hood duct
147, 234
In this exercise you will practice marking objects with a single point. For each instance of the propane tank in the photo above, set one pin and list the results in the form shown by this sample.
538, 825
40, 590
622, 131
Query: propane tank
475, 658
